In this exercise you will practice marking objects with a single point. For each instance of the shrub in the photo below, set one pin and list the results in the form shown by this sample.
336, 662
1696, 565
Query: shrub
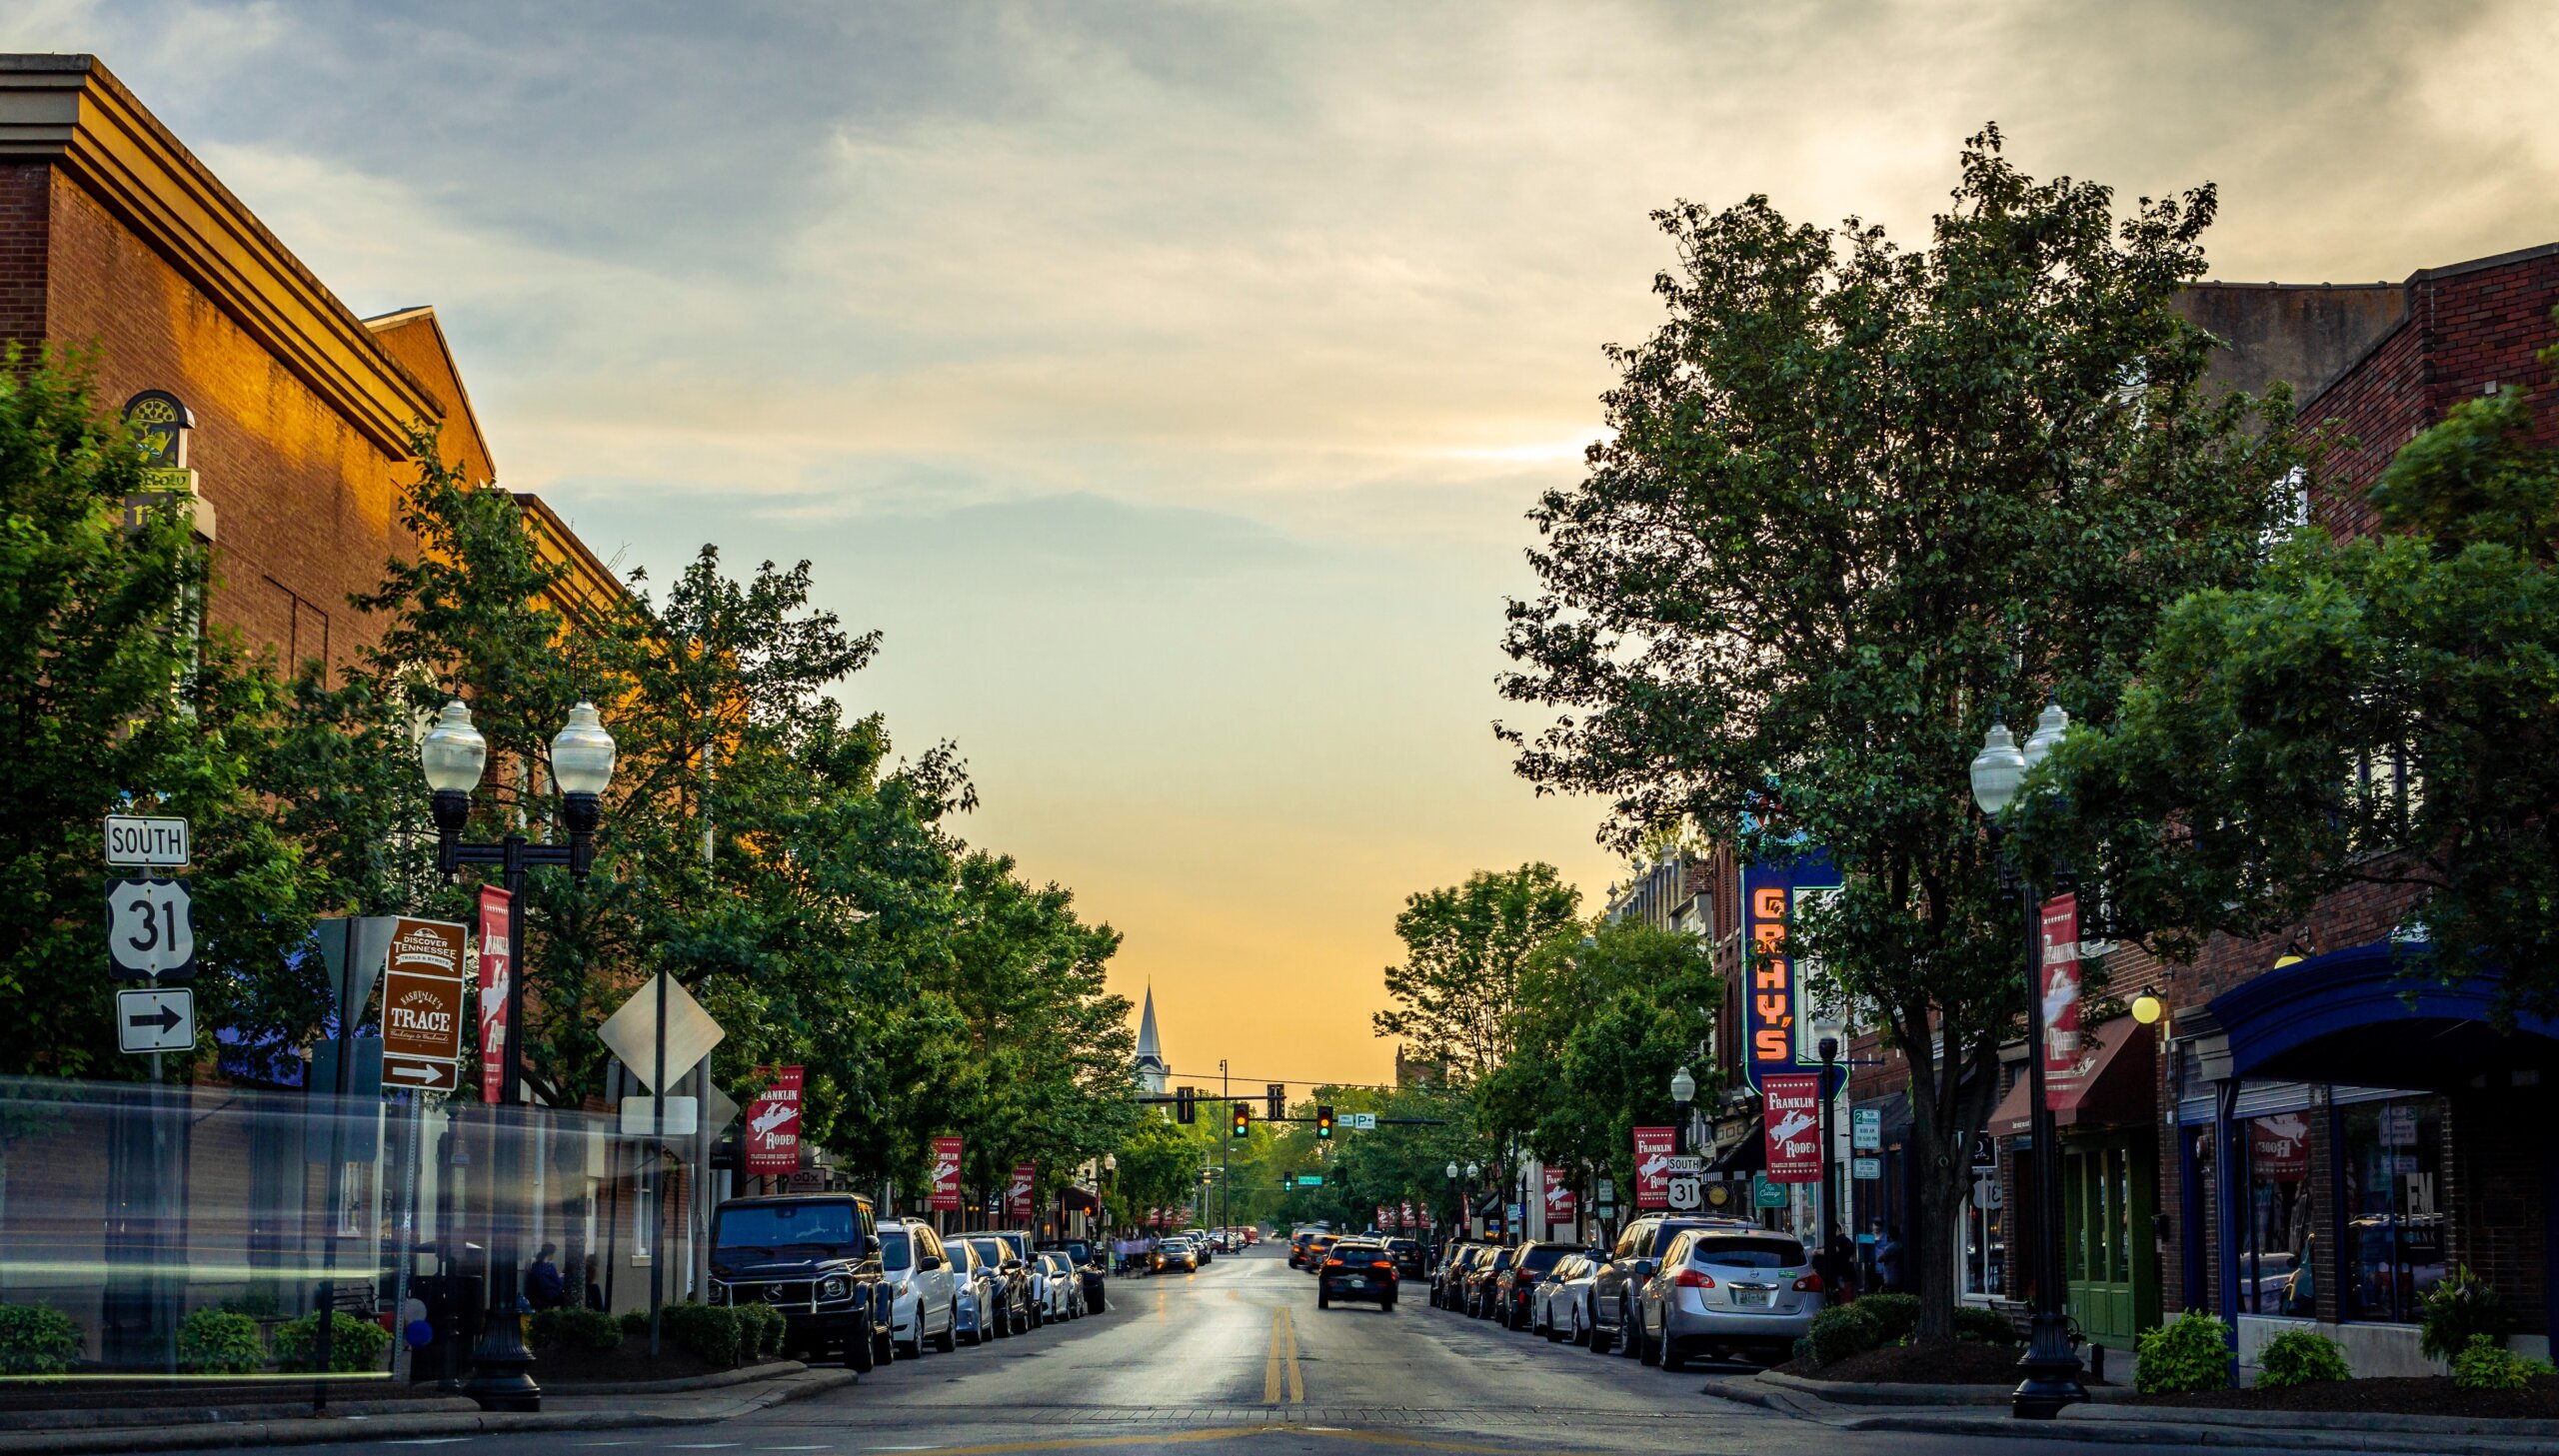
760, 1331
2484, 1364
220, 1342
578, 1329
1803, 1347
1843, 1330
257, 1304
1897, 1315
2457, 1311
355, 1344
2300, 1357
2190, 1352
1984, 1326
707, 1331
37, 1340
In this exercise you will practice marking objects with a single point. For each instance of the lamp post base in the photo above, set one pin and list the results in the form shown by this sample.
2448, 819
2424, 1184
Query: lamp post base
2052, 1373
502, 1373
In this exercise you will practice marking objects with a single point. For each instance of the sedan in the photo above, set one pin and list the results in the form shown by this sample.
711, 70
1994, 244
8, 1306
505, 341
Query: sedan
1410, 1262
1011, 1312
1572, 1300
1722, 1291
1516, 1286
1486, 1278
1357, 1269
1059, 1286
1548, 1301
1174, 1256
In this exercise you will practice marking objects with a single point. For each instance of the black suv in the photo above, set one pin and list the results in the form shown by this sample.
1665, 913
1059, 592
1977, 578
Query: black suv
814, 1258
1357, 1269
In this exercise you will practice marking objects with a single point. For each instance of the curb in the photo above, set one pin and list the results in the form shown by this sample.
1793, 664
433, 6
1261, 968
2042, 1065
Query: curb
715, 1380
2129, 1431
1841, 1392
308, 1430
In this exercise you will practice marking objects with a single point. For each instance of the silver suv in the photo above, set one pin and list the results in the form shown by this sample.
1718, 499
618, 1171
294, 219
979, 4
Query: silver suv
1727, 1291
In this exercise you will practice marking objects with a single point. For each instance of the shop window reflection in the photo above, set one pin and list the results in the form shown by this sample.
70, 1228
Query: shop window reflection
2277, 1262
2393, 1168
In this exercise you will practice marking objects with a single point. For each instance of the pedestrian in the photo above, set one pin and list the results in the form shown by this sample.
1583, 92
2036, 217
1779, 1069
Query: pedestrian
1888, 1259
1841, 1276
542, 1286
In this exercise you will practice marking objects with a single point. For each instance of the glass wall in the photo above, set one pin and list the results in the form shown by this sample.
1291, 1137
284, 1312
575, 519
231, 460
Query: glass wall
1984, 1255
2275, 1268
2393, 1168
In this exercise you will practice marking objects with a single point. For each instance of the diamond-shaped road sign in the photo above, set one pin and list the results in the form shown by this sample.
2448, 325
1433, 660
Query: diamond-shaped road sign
156, 1020
632, 1032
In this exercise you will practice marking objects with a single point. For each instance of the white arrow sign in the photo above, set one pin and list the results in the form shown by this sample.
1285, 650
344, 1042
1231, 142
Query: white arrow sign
156, 1020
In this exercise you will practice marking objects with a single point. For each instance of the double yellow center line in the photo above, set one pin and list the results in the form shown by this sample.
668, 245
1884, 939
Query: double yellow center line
1283, 1360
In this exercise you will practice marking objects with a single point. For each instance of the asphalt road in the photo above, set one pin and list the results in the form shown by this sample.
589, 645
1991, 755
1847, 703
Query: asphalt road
1238, 1359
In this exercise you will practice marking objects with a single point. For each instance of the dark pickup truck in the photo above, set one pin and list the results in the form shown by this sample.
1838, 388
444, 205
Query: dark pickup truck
813, 1257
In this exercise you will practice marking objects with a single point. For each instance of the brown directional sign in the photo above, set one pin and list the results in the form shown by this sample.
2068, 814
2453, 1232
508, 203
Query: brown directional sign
422, 1005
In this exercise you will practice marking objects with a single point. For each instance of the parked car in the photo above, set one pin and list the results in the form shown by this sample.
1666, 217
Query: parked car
1060, 1285
1517, 1282
1410, 1262
1543, 1311
1012, 1306
1092, 1266
1727, 1291
1446, 1279
1630, 1262
1568, 1297
979, 1292
816, 1258
923, 1293
1485, 1277
1357, 1269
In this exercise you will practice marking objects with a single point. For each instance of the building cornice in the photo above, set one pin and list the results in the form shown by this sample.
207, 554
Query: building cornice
70, 111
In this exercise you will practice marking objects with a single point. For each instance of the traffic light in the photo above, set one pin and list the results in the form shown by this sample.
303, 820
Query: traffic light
1276, 1102
1243, 1119
1185, 1110
1323, 1120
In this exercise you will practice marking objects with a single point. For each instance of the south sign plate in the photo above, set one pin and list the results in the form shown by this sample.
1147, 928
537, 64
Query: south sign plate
149, 842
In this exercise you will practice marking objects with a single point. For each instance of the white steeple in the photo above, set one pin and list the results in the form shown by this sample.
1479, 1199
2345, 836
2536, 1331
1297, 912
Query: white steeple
1151, 1065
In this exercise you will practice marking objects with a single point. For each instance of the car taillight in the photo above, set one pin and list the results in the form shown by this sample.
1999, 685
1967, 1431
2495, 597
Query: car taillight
1333, 1263
1381, 1263
1695, 1279
1808, 1284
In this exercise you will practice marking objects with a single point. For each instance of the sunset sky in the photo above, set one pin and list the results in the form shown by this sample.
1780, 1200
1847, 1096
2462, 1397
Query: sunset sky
1168, 381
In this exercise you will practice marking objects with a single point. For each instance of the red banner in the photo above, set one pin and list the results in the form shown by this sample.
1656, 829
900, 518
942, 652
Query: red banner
1016, 1194
772, 1122
1562, 1206
497, 970
945, 1174
1408, 1215
2060, 987
1654, 1147
2279, 1147
1792, 1110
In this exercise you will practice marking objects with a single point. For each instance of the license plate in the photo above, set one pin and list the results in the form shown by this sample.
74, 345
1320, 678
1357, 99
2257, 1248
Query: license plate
1356, 1281
1742, 1295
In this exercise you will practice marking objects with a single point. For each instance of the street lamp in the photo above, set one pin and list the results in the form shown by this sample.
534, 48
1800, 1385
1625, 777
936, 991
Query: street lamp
1684, 1091
2052, 1366
453, 755
1825, 1032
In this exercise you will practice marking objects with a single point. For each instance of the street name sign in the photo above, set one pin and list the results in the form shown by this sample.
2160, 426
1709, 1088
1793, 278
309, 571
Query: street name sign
156, 1020
1311, 1180
1685, 1163
151, 930
156, 843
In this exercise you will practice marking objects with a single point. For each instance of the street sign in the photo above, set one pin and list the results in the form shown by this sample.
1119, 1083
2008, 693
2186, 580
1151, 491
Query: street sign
1866, 1167
1687, 1163
1866, 1129
1686, 1193
639, 1117
422, 1013
158, 844
156, 1020
1363, 1121
632, 1032
1764, 1194
151, 930
1311, 1180
1986, 1156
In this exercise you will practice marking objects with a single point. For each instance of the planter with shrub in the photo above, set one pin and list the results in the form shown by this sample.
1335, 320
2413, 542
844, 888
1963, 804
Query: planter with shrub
2488, 1365
575, 1329
2189, 1353
356, 1345
2301, 1357
220, 1342
36, 1339
2458, 1311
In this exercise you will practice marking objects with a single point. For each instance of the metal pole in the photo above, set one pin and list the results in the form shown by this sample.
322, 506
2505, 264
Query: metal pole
2052, 1366
340, 1086
501, 1368
400, 1357
657, 1154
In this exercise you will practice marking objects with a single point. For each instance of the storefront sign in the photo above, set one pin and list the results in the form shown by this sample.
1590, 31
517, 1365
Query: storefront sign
1791, 1103
1765, 1194
2399, 1125
1016, 1194
497, 967
1778, 1015
2279, 1147
1562, 1206
2060, 988
772, 1122
945, 1174
1652, 1165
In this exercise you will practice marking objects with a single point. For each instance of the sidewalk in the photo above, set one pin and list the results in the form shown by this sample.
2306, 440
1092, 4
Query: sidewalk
701, 1400
1980, 1411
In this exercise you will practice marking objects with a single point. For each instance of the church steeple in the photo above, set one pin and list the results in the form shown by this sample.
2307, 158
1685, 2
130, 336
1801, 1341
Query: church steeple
1151, 1065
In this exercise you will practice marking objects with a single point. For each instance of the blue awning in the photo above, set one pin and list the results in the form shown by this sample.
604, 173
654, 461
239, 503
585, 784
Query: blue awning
2359, 1015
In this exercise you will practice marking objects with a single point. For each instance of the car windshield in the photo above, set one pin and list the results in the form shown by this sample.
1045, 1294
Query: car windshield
773, 1227
896, 1249
1347, 1253
1662, 1237
1402, 1245
1540, 1258
1746, 1252
990, 1251
1020, 1243
1079, 1251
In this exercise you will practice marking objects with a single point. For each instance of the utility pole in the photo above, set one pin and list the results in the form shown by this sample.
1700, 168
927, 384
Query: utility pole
1226, 1199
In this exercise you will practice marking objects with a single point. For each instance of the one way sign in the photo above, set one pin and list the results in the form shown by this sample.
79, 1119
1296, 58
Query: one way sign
156, 1020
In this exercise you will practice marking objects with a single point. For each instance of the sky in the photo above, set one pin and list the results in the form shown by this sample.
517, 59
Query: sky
1168, 381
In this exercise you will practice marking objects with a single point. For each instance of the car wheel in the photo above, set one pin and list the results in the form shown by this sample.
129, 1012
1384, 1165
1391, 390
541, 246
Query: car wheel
884, 1348
1322, 1300
948, 1339
1648, 1349
1673, 1359
911, 1350
860, 1353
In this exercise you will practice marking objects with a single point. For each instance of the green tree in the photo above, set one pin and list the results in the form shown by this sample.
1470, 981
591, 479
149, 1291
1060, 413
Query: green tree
1465, 949
1858, 503
2376, 710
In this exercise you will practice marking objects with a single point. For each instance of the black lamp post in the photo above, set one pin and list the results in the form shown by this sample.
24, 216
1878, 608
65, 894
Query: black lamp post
2050, 1365
1826, 1042
453, 755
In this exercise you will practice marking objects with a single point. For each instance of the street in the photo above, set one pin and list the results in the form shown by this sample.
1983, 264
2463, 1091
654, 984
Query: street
1238, 1357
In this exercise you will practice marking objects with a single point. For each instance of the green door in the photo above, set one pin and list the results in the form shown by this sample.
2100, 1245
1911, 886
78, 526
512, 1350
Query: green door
2108, 1184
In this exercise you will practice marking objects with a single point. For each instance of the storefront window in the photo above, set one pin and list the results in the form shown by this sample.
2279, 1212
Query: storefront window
2393, 1166
1985, 1234
2274, 1263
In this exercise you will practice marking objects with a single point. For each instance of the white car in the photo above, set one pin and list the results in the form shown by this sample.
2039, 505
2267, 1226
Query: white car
925, 1290
1058, 1286
1560, 1308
